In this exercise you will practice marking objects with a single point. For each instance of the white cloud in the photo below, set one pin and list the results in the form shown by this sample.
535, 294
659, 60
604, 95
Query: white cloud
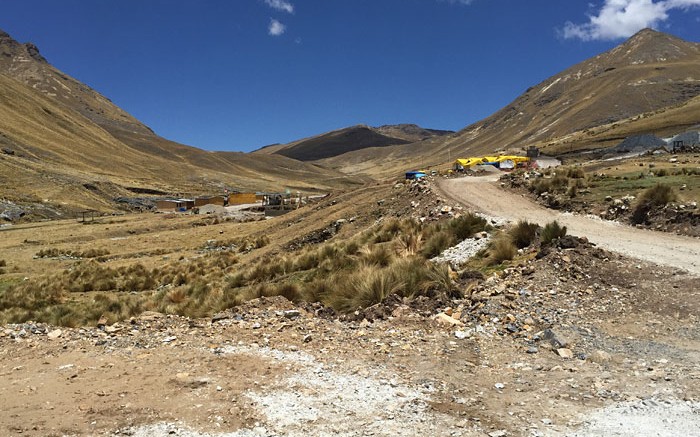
276, 28
281, 5
622, 18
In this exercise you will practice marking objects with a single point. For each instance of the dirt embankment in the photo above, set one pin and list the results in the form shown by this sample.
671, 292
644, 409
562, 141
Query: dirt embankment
484, 194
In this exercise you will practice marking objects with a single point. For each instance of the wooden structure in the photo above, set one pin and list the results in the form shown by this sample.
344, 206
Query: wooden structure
210, 200
242, 198
88, 213
175, 204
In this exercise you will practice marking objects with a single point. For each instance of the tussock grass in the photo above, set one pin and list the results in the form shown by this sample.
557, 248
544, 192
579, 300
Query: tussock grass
501, 249
376, 255
566, 180
56, 253
467, 225
523, 234
436, 243
389, 259
654, 197
409, 244
552, 231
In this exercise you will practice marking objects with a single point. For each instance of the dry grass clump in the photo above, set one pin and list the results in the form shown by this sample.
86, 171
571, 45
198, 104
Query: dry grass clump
654, 197
409, 244
363, 271
508, 243
89, 290
390, 259
467, 225
376, 255
565, 181
370, 285
242, 245
552, 231
501, 249
437, 243
575, 173
523, 234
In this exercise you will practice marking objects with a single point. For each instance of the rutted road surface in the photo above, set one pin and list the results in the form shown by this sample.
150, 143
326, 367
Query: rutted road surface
485, 195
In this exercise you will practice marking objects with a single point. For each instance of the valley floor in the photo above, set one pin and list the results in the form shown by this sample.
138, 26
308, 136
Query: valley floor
580, 342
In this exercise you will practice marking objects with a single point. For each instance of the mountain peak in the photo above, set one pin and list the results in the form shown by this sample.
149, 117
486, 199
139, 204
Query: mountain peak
647, 32
652, 46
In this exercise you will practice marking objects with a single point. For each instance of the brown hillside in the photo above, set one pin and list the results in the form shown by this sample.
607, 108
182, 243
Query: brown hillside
644, 76
351, 139
650, 71
61, 136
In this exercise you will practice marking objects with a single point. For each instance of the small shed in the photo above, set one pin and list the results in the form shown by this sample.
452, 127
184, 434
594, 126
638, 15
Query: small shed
412, 175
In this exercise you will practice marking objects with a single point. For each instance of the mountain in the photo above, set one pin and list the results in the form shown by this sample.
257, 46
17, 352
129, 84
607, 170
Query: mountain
350, 139
68, 146
65, 145
648, 72
637, 84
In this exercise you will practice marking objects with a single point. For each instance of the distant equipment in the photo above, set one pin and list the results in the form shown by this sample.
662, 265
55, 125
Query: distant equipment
412, 175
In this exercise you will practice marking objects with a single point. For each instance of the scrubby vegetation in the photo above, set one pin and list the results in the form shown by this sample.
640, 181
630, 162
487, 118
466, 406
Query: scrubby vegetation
392, 258
655, 197
524, 234
552, 231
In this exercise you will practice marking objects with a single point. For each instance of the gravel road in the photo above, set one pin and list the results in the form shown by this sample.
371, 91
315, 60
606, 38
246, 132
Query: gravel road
485, 194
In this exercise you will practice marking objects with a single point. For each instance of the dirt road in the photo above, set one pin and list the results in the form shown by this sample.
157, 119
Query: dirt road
485, 194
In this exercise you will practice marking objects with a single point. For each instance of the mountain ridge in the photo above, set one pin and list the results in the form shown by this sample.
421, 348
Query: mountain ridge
63, 129
647, 73
349, 139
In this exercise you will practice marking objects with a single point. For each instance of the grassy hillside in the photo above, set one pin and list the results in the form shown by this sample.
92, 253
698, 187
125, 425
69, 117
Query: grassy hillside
61, 136
643, 84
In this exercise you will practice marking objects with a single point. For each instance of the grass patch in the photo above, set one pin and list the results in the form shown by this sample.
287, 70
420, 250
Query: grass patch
501, 249
57, 253
654, 197
389, 259
552, 231
523, 234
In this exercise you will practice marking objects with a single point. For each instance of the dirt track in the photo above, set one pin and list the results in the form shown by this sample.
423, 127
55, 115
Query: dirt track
484, 194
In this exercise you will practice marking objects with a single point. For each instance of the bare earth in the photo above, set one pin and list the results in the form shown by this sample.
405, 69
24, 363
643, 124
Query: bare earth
484, 194
580, 343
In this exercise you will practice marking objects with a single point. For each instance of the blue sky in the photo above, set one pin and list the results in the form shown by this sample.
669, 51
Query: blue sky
241, 74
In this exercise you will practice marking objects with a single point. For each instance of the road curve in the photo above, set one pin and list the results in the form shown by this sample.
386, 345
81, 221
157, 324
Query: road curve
485, 195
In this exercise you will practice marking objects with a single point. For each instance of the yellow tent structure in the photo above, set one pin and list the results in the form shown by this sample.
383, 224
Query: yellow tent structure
465, 163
